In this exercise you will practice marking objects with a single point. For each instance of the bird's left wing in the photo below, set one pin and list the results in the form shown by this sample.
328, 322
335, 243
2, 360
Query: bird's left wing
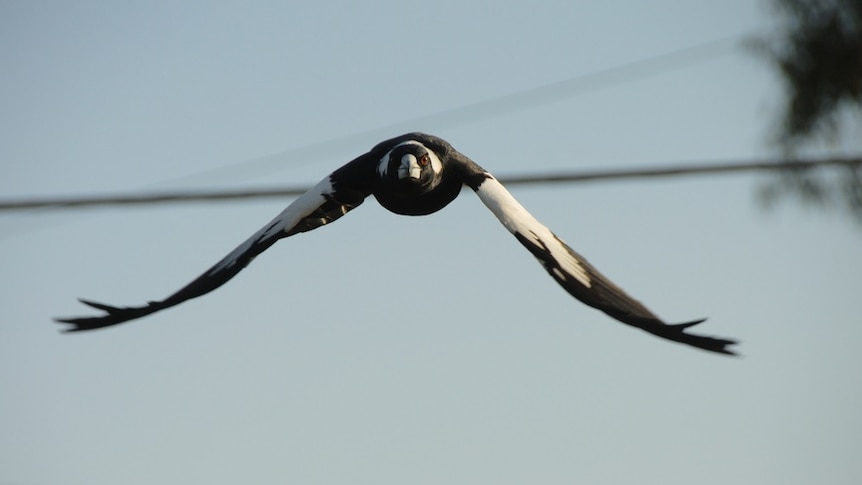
575, 274
330, 199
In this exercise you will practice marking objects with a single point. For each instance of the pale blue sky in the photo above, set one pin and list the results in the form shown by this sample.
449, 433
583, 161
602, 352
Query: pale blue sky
386, 349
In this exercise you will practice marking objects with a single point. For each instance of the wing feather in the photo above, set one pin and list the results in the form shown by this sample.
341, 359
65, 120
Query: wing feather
330, 199
577, 276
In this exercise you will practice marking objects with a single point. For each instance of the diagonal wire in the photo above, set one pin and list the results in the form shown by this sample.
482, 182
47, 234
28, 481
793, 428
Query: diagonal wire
496, 106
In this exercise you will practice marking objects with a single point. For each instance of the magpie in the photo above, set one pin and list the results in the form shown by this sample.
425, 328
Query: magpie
417, 174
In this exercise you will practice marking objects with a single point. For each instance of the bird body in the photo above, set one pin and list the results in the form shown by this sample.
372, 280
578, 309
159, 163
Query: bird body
418, 174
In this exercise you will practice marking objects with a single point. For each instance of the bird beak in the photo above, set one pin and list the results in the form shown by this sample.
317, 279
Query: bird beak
409, 167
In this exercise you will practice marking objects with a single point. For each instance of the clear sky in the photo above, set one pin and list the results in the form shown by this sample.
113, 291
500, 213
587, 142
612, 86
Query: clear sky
385, 349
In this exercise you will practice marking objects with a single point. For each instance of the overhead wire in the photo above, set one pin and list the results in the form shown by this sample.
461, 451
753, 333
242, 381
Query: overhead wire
514, 180
465, 114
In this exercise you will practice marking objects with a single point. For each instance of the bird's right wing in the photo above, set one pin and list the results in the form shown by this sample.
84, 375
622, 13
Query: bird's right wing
330, 199
576, 275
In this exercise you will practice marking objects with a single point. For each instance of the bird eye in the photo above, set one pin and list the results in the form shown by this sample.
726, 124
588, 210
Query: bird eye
423, 160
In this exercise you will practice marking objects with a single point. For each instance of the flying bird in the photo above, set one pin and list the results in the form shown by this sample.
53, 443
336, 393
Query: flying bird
417, 174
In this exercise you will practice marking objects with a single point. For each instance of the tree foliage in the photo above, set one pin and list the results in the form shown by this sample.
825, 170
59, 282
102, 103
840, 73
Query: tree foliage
819, 57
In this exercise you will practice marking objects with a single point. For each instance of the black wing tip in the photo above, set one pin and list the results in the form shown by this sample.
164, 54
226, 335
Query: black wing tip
684, 325
720, 346
113, 316
98, 306
676, 332
78, 324
75, 328
81, 324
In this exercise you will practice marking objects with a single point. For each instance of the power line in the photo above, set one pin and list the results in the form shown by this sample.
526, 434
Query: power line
560, 177
468, 113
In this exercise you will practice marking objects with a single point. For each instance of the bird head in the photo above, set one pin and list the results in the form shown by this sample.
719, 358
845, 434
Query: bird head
411, 167
413, 180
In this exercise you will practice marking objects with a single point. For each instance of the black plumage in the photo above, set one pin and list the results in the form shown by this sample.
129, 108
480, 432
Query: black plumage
418, 174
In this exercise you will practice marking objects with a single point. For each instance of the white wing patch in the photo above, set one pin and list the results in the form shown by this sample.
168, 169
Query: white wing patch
286, 220
518, 221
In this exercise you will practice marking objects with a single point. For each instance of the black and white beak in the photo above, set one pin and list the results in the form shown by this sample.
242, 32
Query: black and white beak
409, 167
